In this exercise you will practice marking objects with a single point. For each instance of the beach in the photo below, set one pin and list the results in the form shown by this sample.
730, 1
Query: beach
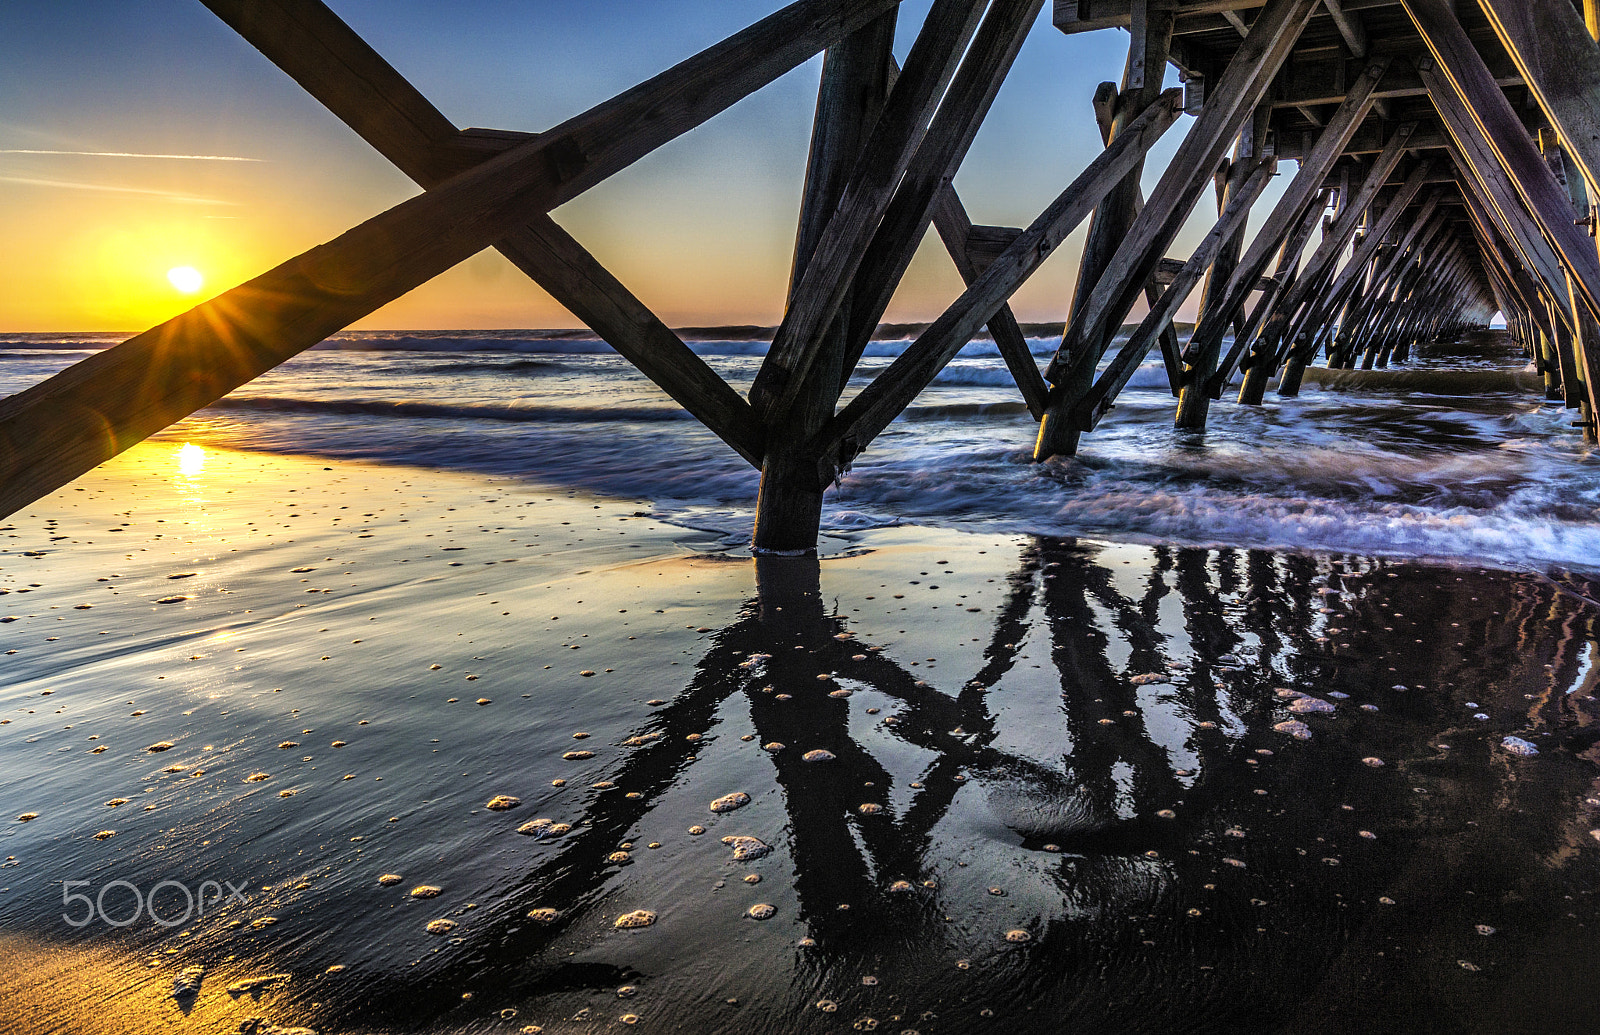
1062, 783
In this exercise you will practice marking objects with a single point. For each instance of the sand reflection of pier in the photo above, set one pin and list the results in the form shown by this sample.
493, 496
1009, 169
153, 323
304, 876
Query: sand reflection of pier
1172, 828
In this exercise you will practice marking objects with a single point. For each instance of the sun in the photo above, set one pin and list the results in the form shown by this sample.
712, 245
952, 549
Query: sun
186, 279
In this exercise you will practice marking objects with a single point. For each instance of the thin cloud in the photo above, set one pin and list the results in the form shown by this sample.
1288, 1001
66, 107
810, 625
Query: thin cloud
128, 154
190, 199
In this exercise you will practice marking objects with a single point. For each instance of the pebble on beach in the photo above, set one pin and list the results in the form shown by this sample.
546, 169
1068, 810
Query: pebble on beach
1294, 728
637, 918
729, 802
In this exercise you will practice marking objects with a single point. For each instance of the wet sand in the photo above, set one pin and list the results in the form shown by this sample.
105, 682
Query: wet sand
1050, 792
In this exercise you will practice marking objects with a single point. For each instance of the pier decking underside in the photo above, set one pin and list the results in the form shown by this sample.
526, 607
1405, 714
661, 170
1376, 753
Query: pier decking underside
1446, 156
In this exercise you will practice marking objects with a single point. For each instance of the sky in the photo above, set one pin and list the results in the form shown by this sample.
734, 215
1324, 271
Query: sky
141, 136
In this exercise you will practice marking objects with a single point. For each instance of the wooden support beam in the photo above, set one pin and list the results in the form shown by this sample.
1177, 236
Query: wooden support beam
64, 426
816, 301
1486, 112
1558, 59
1276, 328
1241, 87
855, 84
1205, 343
1109, 226
1193, 402
1368, 250
957, 232
1483, 177
1283, 278
892, 390
319, 51
1318, 305
934, 165
1099, 400
1350, 28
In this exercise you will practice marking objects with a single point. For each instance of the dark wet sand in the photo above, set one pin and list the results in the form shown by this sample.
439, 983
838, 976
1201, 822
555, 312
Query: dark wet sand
1174, 862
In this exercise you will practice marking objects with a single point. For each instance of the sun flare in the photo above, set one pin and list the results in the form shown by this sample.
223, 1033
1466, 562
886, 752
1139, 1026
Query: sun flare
186, 279
191, 460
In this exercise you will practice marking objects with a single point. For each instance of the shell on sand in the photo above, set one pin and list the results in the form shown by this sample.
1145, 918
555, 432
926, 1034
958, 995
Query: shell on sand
746, 848
1518, 746
502, 802
637, 918
729, 802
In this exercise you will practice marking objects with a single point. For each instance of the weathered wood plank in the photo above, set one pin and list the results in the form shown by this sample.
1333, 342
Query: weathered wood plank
891, 391
1350, 27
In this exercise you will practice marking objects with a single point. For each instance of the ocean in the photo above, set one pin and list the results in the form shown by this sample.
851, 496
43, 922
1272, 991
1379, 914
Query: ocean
1410, 467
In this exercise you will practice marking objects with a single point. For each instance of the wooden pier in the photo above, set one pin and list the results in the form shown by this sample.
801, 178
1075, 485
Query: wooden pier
1447, 157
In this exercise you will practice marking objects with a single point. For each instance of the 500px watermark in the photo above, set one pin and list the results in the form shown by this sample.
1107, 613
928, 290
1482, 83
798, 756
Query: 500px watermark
173, 894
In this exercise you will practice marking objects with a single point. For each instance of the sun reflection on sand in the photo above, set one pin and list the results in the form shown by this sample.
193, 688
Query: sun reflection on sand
191, 460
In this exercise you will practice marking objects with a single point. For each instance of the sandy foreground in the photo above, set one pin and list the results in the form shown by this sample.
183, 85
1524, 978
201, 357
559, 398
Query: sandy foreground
1060, 782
